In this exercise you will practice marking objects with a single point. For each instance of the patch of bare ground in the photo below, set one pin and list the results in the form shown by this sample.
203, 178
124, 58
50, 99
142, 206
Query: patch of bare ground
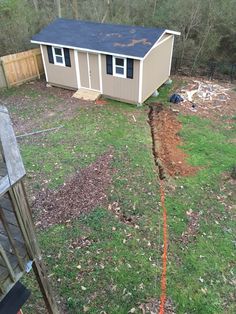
152, 307
167, 151
35, 104
209, 99
80, 194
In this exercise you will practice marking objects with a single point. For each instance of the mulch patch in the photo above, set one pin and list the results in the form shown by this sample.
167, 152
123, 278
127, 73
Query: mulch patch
80, 194
152, 306
165, 128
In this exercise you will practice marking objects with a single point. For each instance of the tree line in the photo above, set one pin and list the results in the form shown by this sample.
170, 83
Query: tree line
208, 27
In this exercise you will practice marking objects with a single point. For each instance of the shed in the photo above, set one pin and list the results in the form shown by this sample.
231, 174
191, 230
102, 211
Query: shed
123, 62
19, 248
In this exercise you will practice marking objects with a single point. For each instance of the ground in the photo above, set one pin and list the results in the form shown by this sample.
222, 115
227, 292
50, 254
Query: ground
93, 186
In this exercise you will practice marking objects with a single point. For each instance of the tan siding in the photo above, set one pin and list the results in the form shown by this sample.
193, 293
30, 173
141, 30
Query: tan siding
59, 75
83, 69
121, 88
156, 67
94, 71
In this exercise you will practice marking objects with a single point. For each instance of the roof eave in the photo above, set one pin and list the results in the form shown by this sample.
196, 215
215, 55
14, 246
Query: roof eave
86, 50
172, 32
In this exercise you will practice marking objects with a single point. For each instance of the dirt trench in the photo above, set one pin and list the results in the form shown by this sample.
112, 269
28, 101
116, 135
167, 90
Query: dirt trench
169, 158
154, 112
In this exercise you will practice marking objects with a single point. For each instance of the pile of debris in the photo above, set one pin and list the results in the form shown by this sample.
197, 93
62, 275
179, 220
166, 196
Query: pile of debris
203, 95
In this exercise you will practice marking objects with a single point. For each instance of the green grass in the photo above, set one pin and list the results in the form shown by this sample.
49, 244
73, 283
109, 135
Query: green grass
121, 267
211, 256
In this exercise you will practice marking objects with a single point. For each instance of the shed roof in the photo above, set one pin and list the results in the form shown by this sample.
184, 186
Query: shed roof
110, 38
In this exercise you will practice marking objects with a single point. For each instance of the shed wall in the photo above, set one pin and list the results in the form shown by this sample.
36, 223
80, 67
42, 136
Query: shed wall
156, 67
60, 75
118, 87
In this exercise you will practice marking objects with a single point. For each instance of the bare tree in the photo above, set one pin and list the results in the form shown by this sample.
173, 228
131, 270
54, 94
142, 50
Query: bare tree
36, 5
58, 7
75, 9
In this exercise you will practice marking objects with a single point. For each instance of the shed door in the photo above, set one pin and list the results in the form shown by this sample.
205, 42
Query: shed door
83, 69
94, 71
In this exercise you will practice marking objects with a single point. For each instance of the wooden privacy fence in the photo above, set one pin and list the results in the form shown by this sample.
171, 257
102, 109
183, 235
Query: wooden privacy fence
21, 67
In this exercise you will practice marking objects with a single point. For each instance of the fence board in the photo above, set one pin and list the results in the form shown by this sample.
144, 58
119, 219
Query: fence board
21, 67
3, 82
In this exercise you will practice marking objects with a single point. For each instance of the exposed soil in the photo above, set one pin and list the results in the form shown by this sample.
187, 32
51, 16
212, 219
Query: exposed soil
170, 159
80, 194
47, 103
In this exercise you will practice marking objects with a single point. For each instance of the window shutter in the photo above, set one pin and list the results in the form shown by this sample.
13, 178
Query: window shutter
109, 64
50, 55
130, 68
67, 57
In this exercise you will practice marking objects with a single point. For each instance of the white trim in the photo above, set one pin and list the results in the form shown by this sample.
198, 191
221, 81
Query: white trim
96, 90
77, 71
140, 88
63, 64
171, 53
168, 31
100, 72
86, 50
89, 77
44, 64
114, 66
162, 41
158, 43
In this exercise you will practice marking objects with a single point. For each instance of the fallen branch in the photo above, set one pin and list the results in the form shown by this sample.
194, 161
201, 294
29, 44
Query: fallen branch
40, 131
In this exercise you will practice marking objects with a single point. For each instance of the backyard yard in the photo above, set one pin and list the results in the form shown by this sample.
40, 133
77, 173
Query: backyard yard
94, 189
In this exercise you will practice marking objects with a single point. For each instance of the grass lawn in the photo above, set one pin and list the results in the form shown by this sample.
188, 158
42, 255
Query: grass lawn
119, 266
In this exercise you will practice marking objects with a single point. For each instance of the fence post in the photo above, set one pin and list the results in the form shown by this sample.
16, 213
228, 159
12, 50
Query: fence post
5, 74
36, 65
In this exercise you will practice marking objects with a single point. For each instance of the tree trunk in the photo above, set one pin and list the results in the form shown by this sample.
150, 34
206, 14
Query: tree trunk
75, 9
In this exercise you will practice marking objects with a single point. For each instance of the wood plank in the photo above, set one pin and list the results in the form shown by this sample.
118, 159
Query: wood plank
10, 148
8, 261
15, 231
4, 185
7, 284
5, 202
11, 240
42, 279
10, 216
7, 246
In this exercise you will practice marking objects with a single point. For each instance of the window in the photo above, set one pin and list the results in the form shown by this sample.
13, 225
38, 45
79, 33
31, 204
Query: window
119, 67
58, 56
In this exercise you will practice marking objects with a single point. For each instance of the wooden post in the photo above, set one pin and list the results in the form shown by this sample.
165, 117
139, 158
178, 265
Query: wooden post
36, 65
5, 74
42, 279
24, 215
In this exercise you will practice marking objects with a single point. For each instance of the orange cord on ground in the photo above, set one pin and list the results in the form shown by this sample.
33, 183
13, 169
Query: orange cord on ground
164, 256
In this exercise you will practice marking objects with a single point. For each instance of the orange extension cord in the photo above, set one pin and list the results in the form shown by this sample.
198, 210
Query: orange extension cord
165, 249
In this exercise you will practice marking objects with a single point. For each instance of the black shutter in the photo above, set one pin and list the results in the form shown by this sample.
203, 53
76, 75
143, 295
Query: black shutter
130, 68
109, 64
50, 55
67, 57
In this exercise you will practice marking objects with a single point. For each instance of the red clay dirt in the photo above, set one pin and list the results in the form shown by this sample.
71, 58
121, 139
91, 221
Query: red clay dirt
165, 128
83, 192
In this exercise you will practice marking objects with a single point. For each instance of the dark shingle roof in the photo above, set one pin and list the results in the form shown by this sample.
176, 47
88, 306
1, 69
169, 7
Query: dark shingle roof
127, 40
